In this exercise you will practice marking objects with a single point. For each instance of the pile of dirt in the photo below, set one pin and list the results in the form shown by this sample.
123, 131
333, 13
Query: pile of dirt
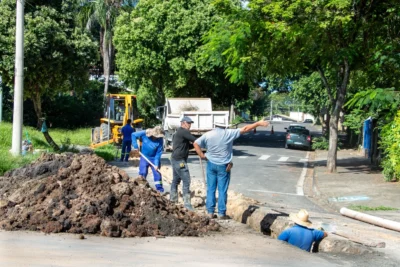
81, 193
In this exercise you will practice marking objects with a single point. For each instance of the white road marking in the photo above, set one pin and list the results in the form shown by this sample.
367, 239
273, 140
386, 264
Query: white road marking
283, 158
256, 133
242, 157
272, 192
264, 157
300, 182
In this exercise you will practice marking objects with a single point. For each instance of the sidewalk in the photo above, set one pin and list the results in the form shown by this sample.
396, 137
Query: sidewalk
356, 184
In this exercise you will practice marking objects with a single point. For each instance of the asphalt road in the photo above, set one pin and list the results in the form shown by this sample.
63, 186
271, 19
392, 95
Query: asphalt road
263, 169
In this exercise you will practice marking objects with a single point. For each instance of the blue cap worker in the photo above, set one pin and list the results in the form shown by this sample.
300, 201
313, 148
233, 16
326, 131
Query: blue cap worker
181, 145
301, 235
126, 131
152, 148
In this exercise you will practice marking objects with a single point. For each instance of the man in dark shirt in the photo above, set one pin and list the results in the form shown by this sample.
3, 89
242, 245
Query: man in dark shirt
126, 131
181, 144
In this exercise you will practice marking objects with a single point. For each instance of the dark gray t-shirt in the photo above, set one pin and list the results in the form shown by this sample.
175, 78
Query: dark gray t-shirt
181, 145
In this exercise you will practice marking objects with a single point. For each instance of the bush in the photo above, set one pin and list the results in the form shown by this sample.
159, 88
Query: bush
322, 143
390, 143
238, 120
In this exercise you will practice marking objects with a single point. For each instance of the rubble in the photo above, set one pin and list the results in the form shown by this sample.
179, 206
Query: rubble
82, 194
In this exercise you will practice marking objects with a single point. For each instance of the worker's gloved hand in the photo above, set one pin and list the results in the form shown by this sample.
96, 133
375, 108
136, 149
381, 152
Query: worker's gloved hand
229, 167
134, 153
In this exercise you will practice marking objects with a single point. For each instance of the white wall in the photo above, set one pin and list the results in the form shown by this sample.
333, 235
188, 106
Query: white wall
301, 116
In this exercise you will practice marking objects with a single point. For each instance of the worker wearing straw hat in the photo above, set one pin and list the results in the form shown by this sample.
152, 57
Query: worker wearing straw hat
302, 234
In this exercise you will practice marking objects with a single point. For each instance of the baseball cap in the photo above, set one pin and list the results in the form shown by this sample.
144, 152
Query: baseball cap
186, 119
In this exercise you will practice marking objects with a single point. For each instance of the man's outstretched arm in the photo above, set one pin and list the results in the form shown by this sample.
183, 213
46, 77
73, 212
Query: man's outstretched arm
251, 127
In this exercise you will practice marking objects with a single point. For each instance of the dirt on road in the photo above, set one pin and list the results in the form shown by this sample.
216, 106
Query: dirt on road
81, 193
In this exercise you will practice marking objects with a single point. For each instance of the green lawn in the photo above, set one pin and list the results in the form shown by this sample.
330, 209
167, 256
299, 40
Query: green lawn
60, 136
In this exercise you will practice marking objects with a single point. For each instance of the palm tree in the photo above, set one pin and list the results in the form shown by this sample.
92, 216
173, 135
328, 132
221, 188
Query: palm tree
104, 13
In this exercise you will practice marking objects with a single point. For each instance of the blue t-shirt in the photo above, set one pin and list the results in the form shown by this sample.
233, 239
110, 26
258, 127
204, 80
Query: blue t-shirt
219, 143
127, 131
151, 149
301, 237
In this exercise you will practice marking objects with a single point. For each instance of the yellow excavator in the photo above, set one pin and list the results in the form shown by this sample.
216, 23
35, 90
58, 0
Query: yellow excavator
119, 108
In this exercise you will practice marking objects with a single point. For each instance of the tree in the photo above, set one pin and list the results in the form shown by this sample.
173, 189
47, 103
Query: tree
298, 37
57, 54
158, 54
104, 13
309, 92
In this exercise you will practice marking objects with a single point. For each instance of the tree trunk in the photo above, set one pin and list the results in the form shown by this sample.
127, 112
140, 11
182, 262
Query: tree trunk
333, 141
343, 74
333, 124
37, 105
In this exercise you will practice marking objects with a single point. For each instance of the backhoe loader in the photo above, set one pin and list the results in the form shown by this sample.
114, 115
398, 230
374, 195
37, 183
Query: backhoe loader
119, 108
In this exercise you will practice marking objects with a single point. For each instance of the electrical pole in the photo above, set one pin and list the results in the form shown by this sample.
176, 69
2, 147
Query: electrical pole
19, 81
270, 116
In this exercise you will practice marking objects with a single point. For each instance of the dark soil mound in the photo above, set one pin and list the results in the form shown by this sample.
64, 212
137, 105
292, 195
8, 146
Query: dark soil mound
81, 193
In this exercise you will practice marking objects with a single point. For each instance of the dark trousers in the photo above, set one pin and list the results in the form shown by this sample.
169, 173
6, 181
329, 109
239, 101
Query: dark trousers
126, 148
180, 173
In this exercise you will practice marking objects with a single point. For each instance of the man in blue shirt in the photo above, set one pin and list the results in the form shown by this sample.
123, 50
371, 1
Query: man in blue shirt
126, 131
219, 143
301, 234
152, 148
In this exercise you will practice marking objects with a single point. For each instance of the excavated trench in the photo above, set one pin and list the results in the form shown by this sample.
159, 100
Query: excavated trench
81, 193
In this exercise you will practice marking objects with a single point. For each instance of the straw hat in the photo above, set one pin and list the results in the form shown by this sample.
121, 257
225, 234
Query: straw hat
156, 132
223, 123
301, 218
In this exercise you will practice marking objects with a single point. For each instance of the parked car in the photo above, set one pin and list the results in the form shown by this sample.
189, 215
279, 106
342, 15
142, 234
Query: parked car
308, 121
297, 137
295, 126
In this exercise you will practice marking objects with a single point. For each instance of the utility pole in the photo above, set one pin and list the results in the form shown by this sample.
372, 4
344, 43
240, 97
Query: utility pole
270, 114
19, 81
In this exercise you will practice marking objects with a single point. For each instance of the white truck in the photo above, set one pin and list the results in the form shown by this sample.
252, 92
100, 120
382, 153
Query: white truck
198, 109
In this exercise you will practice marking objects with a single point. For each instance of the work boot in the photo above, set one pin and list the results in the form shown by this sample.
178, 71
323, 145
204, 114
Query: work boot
187, 202
173, 197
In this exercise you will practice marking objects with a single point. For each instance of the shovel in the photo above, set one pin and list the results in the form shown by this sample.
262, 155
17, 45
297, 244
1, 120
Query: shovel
154, 166
202, 172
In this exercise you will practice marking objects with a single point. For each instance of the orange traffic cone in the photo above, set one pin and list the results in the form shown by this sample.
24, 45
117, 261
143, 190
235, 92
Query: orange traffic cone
272, 130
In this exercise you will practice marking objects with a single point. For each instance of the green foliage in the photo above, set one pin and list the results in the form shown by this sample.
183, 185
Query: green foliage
322, 143
390, 143
107, 152
158, 46
238, 120
367, 208
310, 93
57, 54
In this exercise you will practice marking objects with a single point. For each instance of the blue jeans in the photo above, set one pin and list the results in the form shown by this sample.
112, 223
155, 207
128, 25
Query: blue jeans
180, 174
217, 177
126, 148
144, 170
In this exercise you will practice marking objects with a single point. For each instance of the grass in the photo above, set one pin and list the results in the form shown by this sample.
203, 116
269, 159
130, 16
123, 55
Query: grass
60, 136
107, 152
366, 208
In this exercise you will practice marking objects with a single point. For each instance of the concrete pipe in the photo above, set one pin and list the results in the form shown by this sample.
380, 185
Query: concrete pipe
392, 225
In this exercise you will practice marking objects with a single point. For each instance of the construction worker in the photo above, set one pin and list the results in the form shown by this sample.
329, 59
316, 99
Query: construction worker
219, 143
180, 153
301, 235
151, 151
126, 131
